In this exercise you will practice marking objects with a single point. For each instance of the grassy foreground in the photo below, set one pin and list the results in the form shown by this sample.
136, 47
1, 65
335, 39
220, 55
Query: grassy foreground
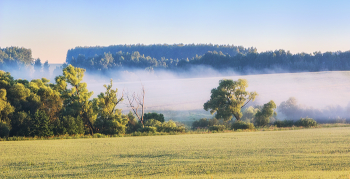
308, 153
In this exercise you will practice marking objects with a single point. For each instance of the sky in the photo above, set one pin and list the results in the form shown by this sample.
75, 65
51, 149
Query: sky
51, 28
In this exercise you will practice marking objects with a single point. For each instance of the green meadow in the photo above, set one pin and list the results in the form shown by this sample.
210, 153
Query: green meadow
304, 153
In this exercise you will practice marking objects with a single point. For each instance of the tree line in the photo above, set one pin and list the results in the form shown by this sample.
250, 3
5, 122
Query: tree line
250, 61
40, 108
158, 51
179, 58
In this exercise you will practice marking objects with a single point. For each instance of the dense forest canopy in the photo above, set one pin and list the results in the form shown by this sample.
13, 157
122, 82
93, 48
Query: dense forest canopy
240, 60
15, 57
178, 58
175, 51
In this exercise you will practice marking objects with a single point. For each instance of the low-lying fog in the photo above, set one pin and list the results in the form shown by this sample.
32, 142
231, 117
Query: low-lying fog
189, 91
166, 91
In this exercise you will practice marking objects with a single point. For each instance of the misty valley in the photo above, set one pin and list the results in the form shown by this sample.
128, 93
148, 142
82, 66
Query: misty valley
208, 105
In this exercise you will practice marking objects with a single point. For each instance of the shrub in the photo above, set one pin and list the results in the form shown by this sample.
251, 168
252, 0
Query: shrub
217, 128
159, 117
4, 129
242, 125
306, 122
170, 126
153, 123
148, 129
200, 124
285, 123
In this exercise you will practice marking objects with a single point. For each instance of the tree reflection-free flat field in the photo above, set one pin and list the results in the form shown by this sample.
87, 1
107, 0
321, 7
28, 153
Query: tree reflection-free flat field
306, 153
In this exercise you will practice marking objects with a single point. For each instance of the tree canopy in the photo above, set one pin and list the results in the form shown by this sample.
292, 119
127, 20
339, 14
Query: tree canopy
229, 98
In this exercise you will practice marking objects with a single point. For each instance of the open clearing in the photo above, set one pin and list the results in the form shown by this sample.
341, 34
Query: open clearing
306, 153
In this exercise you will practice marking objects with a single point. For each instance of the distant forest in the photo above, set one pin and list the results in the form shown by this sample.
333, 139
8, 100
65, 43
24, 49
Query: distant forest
15, 57
179, 57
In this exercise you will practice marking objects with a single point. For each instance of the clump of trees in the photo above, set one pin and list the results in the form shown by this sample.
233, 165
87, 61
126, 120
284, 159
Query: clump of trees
302, 122
228, 100
40, 108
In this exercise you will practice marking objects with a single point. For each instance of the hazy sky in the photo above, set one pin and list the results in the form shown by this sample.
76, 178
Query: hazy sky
50, 28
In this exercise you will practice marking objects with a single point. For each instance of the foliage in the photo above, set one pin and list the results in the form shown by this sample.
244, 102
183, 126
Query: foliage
148, 129
180, 57
201, 123
284, 123
153, 115
249, 114
4, 129
217, 128
242, 125
133, 125
306, 122
228, 99
109, 119
41, 125
262, 117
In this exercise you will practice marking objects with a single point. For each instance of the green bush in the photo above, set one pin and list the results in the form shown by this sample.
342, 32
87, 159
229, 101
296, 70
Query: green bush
202, 123
4, 129
306, 122
242, 125
148, 129
285, 123
159, 117
217, 128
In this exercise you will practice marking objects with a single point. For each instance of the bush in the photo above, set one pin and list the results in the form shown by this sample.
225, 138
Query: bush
4, 129
159, 117
217, 128
306, 122
242, 125
148, 129
202, 123
285, 123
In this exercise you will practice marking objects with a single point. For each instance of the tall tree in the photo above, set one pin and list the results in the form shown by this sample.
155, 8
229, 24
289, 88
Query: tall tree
262, 117
37, 68
46, 68
76, 99
110, 120
229, 98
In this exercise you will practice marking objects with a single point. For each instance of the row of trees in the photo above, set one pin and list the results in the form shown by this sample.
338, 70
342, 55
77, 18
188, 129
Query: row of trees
40, 108
158, 51
181, 57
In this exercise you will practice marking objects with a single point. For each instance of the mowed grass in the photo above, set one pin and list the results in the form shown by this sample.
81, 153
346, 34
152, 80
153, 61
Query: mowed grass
306, 153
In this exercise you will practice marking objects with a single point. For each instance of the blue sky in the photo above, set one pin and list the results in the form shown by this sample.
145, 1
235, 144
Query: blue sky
50, 28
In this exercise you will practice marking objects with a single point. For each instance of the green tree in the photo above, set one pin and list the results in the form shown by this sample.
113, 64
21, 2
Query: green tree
153, 115
6, 109
41, 125
4, 129
110, 120
249, 114
76, 99
229, 98
262, 117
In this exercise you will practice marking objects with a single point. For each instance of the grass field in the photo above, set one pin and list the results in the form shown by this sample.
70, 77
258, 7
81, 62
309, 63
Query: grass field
306, 153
